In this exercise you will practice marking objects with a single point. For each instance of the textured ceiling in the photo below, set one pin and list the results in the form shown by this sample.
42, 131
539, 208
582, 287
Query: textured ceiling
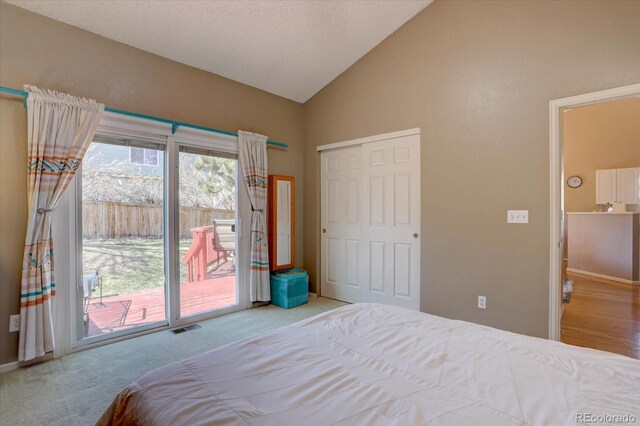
289, 48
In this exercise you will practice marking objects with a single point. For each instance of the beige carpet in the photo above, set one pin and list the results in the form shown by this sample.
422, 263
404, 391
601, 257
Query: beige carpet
75, 389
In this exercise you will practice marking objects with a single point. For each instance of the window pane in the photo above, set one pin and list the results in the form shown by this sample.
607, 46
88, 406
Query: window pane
207, 256
151, 157
123, 274
137, 155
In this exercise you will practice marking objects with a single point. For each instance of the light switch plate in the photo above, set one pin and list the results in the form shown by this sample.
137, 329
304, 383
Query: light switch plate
517, 216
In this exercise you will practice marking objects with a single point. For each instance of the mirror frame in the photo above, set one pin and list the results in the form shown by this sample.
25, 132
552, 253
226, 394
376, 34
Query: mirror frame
273, 223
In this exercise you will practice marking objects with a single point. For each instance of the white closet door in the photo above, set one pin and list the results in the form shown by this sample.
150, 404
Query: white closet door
392, 225
370, 220
341, 221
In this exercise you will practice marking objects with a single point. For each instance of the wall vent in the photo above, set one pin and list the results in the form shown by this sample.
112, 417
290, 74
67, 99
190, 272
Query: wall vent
187, 328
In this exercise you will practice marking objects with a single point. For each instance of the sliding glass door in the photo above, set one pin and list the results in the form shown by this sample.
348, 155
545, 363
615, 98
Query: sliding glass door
208, 257
122, 282
158, 233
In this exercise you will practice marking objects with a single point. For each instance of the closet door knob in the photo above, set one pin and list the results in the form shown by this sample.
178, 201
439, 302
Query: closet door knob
324, 230
415, 235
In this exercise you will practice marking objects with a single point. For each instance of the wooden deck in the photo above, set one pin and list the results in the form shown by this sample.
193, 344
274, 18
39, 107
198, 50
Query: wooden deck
144, 307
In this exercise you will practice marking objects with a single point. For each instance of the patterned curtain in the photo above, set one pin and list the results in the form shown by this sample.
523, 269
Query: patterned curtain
253, 159
60, 129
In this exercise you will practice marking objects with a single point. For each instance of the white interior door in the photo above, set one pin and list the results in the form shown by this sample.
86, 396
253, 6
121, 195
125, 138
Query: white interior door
370, 219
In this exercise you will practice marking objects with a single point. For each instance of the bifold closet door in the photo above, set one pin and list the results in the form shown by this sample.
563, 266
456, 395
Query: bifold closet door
370, 222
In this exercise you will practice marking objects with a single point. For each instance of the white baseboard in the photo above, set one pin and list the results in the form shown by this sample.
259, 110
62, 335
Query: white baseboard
312, 294
601, 276
10, 366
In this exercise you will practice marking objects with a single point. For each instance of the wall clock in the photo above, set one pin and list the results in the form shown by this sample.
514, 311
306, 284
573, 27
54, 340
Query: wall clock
574, 181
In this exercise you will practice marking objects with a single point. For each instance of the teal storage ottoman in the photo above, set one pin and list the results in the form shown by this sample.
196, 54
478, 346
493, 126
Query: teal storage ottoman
290, 288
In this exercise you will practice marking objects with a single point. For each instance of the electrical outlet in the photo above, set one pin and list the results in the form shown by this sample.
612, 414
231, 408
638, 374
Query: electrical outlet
482, 302
14, 323
517, 216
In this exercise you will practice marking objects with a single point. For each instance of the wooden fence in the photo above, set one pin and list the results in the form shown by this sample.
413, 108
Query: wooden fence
116, 220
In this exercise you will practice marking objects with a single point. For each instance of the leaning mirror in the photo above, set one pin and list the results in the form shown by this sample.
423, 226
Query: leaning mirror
281, 222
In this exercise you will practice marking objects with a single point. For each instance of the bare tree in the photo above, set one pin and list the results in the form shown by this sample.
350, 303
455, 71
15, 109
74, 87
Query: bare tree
119, 188
203, 181
118, 181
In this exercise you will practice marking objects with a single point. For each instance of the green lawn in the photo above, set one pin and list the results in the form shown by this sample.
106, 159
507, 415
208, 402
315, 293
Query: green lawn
128, 265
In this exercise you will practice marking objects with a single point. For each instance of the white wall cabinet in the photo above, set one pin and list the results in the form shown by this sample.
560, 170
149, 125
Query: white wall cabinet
620, 186
606, 186
628, 185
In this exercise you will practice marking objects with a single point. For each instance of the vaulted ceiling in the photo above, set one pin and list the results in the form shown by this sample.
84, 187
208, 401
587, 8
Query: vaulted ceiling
289, 48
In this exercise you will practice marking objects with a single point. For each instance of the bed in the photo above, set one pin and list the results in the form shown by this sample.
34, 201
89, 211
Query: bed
368, 364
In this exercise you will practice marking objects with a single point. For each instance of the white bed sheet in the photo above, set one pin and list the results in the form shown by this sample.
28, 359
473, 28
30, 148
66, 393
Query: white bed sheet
369, 364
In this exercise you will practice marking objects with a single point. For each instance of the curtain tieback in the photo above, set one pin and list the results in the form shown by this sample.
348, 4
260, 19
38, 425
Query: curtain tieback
257, 210
43, 211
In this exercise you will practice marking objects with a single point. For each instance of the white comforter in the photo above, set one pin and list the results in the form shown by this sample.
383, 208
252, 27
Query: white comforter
380, 365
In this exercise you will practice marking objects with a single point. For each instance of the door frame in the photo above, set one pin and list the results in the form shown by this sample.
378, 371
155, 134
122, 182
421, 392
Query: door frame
344, 144
556, 189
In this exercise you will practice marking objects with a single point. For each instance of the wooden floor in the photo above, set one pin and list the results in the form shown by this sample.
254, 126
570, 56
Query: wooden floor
603, 315
145, 307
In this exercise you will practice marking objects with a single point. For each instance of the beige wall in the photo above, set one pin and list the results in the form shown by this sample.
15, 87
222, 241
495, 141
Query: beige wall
53, 55
599, 136
477, 78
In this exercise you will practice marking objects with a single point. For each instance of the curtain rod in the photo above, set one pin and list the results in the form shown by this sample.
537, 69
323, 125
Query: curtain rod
174, 124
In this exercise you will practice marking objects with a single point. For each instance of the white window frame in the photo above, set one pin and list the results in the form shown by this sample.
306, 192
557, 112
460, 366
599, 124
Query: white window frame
67, 228
144, 157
